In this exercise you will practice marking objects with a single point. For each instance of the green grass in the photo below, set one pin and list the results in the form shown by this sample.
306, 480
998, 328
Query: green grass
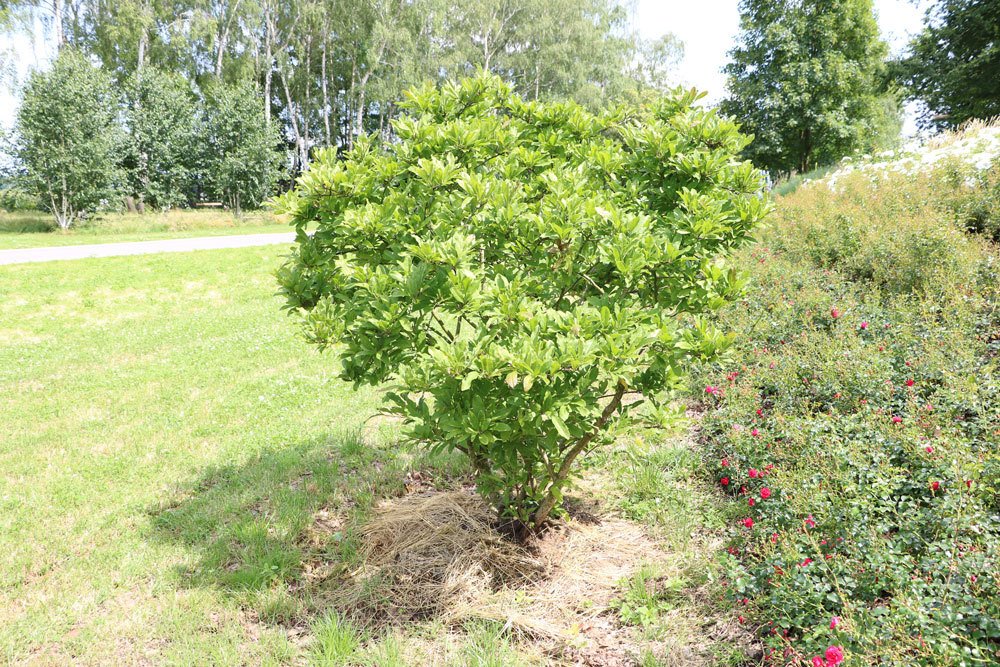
31, 229
167, 440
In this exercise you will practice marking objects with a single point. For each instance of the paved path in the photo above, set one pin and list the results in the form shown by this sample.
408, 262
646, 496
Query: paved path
51, 254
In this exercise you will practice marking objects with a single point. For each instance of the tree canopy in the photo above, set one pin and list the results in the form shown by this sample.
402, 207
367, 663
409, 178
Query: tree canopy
807, 79
331, 70
69, 138
953, 66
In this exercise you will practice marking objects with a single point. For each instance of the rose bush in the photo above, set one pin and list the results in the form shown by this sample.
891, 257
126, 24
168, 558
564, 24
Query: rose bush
874, 465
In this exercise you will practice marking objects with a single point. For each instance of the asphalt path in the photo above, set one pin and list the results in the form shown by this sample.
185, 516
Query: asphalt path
60, 253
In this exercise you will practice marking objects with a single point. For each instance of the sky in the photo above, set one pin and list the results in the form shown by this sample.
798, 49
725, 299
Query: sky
708, 29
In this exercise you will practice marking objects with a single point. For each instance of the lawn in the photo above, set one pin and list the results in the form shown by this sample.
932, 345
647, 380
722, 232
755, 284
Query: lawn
172, 455
31, 229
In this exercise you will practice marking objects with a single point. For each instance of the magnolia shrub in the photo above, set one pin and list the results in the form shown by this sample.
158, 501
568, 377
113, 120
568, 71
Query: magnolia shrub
523, 274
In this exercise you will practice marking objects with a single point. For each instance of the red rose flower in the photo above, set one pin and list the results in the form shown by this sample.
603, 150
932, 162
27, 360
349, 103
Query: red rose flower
765, 493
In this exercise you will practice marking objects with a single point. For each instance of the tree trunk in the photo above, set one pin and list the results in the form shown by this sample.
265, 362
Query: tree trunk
223, 39
268, 63
359, 127
143, 41
804, 159
348, 110
292, 116
57, 26
326, 96
141, 57
548, 504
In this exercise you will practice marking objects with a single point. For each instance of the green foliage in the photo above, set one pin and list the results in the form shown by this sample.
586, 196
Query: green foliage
953, 66
865, 403
514, 268
974, 198
845, 231
807, 79
242, 160
162, 148
69, 138
337, 642
646, 596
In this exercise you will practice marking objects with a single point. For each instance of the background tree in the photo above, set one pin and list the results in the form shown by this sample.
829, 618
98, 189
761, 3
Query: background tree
332, 70
69, 137
953, 66
160, 152
808, 80
242, 161
657, 60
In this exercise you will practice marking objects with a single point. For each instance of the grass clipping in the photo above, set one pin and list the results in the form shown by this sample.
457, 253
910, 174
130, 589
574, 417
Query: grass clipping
431, 554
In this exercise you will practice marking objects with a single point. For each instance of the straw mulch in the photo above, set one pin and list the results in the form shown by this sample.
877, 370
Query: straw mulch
438, 555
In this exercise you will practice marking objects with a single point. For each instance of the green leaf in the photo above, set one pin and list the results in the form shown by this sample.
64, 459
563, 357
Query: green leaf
560, 425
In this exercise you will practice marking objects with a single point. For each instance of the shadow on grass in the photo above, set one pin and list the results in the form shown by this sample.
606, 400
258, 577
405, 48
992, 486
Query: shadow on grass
263, 524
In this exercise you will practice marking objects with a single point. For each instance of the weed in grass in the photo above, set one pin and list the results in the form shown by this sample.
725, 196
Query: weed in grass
488, 644
647, 594
336, 642
388, 651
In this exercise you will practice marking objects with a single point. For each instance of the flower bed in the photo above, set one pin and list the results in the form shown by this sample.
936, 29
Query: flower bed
855, 432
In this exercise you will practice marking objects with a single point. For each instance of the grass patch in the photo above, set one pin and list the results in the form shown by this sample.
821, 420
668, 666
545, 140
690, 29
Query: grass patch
166, 439
185, 481
30, 229
790, 184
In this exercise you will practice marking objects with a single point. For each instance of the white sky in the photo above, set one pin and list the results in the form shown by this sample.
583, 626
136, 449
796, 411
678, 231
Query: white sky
707, 28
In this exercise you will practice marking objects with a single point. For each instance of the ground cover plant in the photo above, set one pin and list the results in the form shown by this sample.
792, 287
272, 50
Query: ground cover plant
855, 429
514, 268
